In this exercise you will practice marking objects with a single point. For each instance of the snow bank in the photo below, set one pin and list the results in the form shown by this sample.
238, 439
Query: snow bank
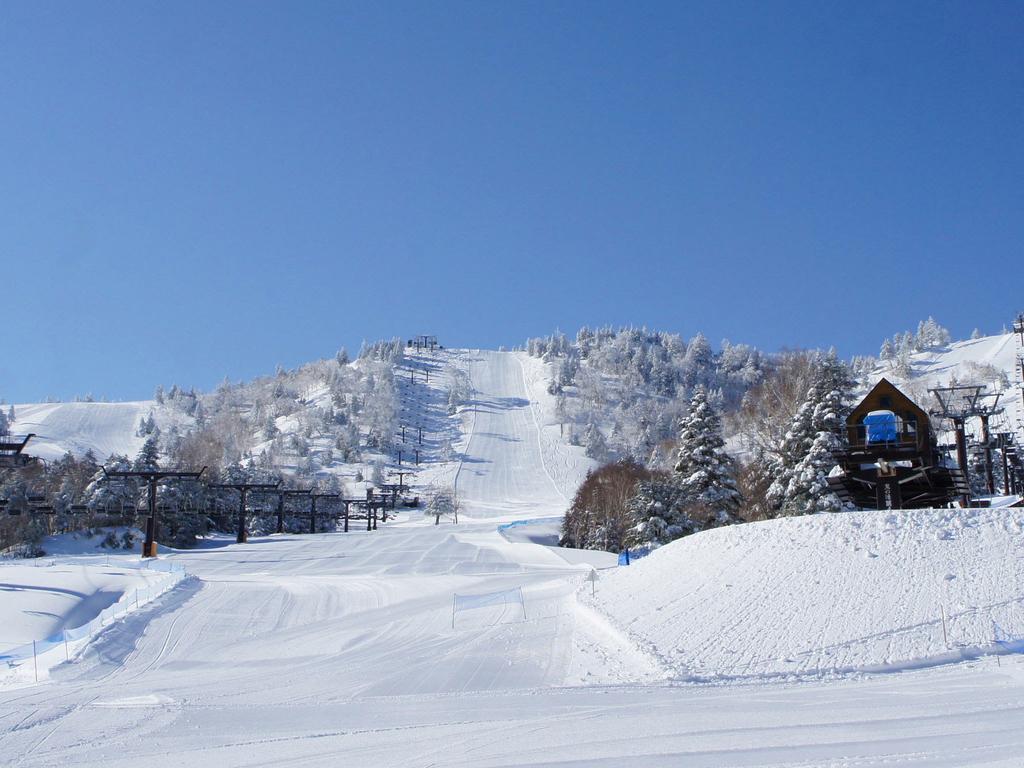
51, 608
862, 591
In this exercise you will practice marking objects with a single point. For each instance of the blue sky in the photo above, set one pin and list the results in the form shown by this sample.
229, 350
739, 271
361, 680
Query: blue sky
199, 190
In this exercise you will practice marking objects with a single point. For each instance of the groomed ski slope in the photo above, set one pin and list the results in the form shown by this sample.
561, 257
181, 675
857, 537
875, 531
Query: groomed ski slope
335, 649
511, 469
103, 428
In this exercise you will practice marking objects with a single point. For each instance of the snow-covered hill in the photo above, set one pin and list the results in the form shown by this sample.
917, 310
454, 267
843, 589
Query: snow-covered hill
828, 593
103, 428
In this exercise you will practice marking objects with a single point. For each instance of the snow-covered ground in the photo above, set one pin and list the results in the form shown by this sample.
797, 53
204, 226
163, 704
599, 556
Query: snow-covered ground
328, 649
828, 594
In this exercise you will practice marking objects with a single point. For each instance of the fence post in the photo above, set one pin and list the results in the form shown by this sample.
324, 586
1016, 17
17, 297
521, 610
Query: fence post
945, 636
35, 661
453, 611
67, 653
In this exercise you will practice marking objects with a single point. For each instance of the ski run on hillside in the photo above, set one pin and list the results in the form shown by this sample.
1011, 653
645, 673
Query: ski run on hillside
463, 631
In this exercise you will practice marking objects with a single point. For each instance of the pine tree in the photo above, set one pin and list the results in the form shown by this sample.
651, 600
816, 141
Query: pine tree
808, 489
805, 457
149, 455
595, 444
704, 472
654, 510
887, 352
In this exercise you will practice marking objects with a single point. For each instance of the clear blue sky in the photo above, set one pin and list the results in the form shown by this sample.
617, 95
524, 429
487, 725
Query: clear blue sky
198, 190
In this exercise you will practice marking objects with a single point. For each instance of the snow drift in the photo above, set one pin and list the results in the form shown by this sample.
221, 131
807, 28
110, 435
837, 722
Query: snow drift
861, 591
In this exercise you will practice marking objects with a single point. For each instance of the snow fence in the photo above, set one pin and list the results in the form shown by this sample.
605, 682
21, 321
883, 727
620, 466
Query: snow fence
32, 661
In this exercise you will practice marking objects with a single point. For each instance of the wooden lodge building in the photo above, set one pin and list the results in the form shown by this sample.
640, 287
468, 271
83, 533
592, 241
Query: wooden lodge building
892, 460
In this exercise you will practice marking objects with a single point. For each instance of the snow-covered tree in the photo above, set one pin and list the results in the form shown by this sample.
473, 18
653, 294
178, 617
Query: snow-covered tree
149, 455
888, 351
654, 509
704, 471
806, 455
594, 443
443, 502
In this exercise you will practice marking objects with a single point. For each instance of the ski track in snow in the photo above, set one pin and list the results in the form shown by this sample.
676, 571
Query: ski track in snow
328, 649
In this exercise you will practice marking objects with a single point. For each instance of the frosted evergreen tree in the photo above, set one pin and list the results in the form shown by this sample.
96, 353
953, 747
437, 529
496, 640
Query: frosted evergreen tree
704, 471
887, 352
808, 489
976, 334
698, 361
930, 335
805, 456
796, 444
5, 428
113, 498
10, 415
149, 455
594, 443
654, 508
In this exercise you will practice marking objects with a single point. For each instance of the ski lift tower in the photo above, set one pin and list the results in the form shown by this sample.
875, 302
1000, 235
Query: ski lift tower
152, 477
957, 404
1018, 329
424, 341
243, 489
985, 413
11, 447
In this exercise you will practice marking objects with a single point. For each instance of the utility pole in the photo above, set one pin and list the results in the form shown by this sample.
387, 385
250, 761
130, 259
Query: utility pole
243, 490
152, 477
